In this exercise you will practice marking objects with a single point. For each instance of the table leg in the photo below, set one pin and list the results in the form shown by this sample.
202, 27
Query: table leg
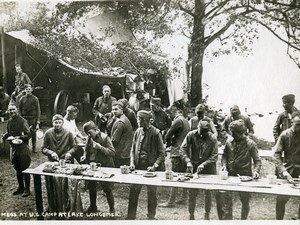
38, 196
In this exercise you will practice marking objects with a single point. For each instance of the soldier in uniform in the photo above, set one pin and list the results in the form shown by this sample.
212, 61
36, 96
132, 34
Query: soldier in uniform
284, 119
29, 107
102, 108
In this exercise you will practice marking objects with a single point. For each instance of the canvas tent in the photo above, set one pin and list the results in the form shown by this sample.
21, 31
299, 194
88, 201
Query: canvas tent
55, 75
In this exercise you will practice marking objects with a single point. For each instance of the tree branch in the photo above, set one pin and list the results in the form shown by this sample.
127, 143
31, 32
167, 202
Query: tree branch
292, 5
274, 33
296, 60
228, 24
188, 11
217, 13
218, 7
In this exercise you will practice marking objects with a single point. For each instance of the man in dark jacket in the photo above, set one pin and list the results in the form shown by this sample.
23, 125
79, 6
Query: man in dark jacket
17, 127
20, 80
235, 114
199, 150
174, 138
29, 107
288, 166
237, 159
200, 115
102, 108
129, 113
4, 102
99, 149
284, 119
160, 118
147, 153
121, 135
58, 144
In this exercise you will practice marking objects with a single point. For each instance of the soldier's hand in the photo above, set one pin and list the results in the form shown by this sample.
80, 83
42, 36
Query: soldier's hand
94, 144
189, 167
288, 177
151, 168
132, 167
84, 139
200, 168
68, 156
54, 156
255, 175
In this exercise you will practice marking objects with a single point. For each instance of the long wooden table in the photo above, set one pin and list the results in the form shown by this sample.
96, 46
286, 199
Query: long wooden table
207, 182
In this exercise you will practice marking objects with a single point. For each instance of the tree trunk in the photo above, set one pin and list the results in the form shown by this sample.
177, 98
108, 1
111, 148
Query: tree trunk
196, 53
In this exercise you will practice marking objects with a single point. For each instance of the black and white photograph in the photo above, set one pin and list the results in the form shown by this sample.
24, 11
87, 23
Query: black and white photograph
125, 111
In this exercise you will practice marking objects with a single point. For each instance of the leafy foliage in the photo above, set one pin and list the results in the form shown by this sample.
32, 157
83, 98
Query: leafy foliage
233, 24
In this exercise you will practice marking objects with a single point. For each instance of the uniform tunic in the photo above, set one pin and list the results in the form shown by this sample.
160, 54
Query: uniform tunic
61, 142
18, 127
238, 157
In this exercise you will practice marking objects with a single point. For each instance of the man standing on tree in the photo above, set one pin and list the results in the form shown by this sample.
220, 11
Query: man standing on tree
284, 119
29, 107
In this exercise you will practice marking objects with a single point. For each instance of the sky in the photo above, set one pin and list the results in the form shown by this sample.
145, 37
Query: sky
255, 83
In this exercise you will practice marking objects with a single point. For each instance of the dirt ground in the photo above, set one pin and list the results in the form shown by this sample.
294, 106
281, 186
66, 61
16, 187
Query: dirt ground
18, 208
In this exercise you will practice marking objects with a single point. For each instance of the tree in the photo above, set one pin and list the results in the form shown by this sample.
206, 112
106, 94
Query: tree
215, 20
231, 23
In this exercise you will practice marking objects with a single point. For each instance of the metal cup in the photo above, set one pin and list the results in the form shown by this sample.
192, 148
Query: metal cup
62, 163
272, 179
124, 169
169, 175
223, 174
93, 166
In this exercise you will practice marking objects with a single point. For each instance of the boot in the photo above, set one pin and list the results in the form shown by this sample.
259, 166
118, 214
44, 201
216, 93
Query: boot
183, 199
26, 193
171, 201
18, 191
245, 212
91, 209
206, 216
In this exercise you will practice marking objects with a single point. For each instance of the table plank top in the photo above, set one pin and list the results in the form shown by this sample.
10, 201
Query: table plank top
207, 182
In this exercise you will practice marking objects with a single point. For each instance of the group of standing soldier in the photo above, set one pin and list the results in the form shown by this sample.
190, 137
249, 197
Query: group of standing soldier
24, 111
118, 136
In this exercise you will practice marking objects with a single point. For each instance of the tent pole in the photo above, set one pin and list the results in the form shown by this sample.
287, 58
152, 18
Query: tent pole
3, 59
